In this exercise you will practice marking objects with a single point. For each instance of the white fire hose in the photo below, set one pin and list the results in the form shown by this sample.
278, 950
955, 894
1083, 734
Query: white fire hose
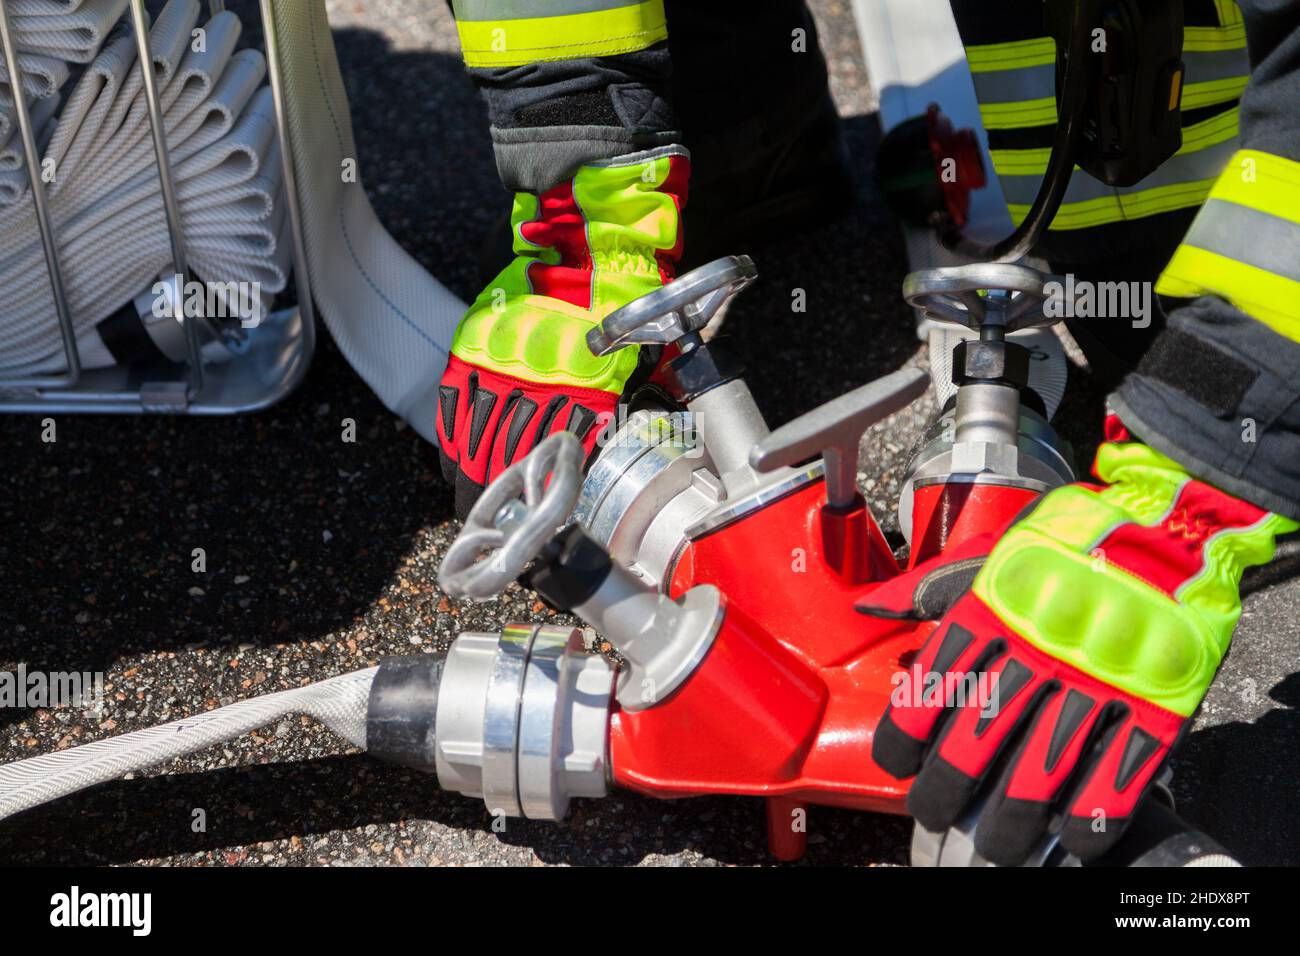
339, 702
11, 151
391, 319
71, 30
41, 76
104, 196
51, 34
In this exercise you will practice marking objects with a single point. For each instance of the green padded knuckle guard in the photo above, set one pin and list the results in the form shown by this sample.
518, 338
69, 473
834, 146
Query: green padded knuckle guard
1047, 580
539, 339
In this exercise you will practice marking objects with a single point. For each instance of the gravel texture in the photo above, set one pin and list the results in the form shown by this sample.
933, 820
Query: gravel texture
321, 554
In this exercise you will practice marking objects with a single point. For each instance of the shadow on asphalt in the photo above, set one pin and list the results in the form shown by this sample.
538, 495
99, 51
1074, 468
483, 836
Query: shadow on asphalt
1243, 788
312, 528
127, 820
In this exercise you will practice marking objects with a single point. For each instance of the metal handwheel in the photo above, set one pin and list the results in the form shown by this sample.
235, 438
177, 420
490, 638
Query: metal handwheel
1015, 299
683, 306
513, 519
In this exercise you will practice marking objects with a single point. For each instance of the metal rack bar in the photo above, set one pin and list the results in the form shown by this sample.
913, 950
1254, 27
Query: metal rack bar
31, 156
171, 206
302, 282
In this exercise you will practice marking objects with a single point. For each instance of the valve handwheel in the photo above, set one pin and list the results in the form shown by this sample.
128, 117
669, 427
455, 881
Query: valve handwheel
681, 307
952, 294
514, 518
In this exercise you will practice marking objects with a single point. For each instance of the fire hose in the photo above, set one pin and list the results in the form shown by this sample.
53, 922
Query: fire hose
729, 678
391, 319
50, 35
11, 153
40, 77
70, 30
104, 189
339, 703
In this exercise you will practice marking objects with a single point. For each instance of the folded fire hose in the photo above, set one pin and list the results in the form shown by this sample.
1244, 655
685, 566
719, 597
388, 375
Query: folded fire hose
71, 30
391, 319
51, 34
11, 151
41, 76
104, 192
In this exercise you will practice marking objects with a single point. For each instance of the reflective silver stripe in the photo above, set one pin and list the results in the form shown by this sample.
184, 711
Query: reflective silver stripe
1016, 85
1191, 167
1038, 82
1247, 235
490, 10
1210, 65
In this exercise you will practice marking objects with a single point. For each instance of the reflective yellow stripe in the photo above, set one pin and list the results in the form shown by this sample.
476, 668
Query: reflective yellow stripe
1021, 162
1207, 39
1105, 209
1031, 56
1033, 162
1211, 92
1040, 112
1216, 129
1206, 44
1272, 299
985, 58
1261, 181
1152, 202
1265, 184
989, 57
1229, 12
626, 29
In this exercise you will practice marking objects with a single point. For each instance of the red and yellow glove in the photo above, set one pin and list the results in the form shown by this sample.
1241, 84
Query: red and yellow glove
519, 366
1080, 653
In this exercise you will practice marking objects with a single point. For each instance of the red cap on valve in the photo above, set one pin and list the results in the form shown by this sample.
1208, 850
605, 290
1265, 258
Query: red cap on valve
957, 162
927, 169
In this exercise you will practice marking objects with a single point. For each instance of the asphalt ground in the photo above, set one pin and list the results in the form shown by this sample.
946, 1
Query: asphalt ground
321, 554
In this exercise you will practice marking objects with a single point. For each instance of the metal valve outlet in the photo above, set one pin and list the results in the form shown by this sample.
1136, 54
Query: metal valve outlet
664, 470
996, 431
522, 717
669, 477
516, 524
522, 720
701, 376
514, 518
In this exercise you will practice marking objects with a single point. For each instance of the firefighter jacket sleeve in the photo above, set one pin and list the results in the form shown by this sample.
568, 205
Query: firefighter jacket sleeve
568, 82
1219, 391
